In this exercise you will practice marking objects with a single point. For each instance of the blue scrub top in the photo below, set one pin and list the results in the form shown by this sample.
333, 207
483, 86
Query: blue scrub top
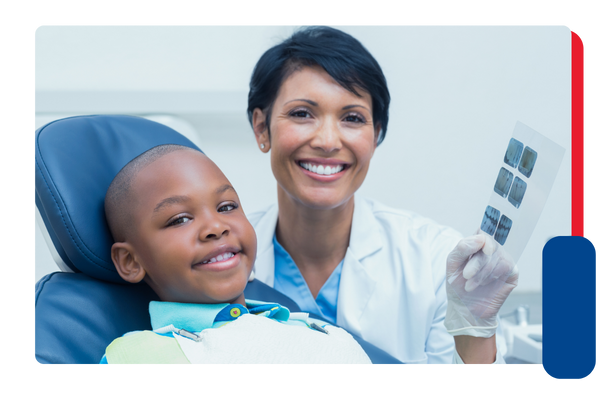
290, 281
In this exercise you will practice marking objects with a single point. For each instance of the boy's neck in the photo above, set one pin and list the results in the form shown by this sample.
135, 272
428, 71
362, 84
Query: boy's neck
240, 300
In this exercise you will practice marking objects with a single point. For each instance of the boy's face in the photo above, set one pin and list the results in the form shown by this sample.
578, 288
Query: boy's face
191, 235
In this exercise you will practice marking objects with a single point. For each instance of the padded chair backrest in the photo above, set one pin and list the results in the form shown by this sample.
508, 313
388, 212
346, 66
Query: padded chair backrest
76, 160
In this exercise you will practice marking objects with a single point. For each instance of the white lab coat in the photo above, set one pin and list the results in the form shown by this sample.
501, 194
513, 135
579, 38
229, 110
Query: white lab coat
392, 289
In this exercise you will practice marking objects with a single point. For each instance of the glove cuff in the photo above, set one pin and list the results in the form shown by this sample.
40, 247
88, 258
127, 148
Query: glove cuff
457, 323
475, 331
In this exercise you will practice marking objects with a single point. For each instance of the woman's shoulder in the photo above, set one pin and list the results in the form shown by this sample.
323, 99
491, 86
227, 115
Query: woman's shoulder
393, 219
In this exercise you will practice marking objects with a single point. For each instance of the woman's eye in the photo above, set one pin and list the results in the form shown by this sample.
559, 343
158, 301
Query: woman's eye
179, 221
354, 118
227, 207
300, 113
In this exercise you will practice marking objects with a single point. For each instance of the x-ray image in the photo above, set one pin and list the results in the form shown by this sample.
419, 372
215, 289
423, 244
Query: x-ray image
503, 182
515, 197
513, 152
510, 218
528, 161
503, 229
490, 220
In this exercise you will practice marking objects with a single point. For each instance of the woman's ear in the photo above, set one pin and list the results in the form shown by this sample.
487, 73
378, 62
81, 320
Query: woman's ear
129, 269
261, 133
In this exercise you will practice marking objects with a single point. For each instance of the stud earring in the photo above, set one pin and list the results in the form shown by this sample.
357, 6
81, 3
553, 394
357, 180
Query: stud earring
262, 145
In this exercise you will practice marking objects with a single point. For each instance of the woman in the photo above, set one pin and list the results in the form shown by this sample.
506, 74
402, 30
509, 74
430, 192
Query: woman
319, 103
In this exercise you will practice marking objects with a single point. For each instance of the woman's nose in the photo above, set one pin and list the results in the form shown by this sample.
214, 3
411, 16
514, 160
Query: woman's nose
327, 136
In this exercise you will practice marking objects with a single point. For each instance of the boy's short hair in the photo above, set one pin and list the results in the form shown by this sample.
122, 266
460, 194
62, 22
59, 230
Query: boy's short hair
119, 200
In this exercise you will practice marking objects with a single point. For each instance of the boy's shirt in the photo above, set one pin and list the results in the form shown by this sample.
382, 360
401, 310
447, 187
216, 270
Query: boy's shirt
231, 333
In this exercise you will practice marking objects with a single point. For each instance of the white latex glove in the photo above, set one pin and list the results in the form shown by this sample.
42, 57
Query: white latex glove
480, 275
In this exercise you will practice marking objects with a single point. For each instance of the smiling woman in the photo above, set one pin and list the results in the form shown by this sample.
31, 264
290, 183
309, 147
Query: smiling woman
317, 125
319, 103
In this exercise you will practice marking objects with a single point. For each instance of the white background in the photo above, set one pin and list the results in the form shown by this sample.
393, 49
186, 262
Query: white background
457, 93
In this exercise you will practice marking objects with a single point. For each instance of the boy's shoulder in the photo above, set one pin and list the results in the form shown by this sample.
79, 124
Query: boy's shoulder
134, 348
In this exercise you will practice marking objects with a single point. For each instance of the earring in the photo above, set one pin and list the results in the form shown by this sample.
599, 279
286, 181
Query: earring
262, 145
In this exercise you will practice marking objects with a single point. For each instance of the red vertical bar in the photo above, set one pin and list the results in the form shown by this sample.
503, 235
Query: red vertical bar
576, 135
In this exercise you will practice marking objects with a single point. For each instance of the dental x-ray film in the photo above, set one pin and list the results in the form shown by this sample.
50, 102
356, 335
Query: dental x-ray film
525, 177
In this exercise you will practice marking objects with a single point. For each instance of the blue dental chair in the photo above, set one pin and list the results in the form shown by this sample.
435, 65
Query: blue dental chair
79, 312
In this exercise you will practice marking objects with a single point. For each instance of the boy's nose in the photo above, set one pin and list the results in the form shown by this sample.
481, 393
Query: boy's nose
213, 228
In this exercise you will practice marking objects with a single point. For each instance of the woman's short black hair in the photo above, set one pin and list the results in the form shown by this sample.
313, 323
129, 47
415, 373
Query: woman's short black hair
343, 57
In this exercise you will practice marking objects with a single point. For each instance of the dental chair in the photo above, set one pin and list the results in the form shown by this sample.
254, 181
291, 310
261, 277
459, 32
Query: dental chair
81, 309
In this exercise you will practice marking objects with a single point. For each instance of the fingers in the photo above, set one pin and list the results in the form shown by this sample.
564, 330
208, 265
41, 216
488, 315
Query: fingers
489, 246
480, 267
482, 270
463, 250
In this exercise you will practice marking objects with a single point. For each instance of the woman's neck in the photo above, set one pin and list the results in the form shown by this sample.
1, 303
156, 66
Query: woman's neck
316, 239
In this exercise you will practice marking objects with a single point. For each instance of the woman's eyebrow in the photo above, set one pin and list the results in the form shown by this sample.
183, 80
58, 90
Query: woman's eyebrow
354, 105
312, 103
170, 200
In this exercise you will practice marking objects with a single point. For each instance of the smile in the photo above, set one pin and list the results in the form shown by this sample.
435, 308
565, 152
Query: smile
221, 257
220, 260
321, 169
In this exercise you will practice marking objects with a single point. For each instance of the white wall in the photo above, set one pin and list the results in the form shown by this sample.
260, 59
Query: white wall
457, 93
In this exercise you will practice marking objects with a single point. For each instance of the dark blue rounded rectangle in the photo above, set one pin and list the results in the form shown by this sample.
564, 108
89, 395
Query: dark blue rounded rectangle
569, 307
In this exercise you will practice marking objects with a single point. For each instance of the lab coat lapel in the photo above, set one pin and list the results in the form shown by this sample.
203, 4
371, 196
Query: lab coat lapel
264, 266
358, 281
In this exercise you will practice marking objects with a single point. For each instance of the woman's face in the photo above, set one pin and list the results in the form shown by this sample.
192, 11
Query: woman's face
322, 138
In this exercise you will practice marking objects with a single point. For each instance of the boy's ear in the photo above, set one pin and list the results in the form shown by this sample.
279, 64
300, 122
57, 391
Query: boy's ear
129, 269
261, 133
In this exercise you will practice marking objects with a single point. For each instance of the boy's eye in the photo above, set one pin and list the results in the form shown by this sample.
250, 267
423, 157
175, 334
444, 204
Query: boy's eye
227, 207
179, 221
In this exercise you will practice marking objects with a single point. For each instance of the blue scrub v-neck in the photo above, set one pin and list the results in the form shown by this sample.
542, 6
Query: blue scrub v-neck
290, 281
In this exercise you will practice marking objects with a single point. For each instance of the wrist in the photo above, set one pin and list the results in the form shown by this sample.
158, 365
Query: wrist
476, 350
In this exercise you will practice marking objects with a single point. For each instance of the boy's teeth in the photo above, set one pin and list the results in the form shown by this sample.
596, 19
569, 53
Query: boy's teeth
321, 170
220, 257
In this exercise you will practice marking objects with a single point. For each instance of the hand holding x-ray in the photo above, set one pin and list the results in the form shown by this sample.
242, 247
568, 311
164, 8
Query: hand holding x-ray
480, 275
481, 271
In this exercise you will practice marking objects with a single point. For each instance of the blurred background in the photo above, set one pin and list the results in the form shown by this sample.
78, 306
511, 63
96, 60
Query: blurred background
457, 93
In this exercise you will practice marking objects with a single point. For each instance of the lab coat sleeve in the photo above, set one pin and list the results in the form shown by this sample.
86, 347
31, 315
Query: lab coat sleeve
440, 344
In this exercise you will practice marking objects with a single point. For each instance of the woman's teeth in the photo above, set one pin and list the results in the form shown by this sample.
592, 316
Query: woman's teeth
321, 170
220, 257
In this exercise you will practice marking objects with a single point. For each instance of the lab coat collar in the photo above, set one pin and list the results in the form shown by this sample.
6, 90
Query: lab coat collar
366, 237
357, 283
265, 255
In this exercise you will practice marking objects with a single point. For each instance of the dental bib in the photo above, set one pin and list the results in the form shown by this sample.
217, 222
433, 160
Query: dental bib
253, 339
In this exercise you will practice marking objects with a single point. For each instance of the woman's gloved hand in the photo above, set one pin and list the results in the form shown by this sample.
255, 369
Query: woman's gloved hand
480, 275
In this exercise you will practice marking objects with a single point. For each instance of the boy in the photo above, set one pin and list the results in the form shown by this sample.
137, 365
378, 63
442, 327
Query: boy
178, 225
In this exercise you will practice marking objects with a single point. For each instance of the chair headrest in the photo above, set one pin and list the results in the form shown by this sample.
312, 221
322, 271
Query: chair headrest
76, 159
